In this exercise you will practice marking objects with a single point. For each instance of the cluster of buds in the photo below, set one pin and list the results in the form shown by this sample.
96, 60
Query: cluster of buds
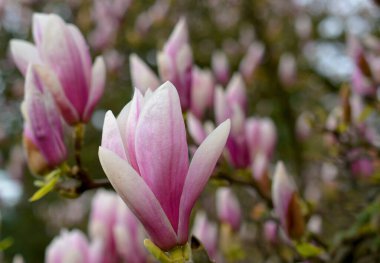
60, 84
115, 234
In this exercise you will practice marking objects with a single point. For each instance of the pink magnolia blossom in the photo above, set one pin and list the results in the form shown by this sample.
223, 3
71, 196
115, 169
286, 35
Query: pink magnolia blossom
220, 67
286, 203
202, 91
43, 130
228, 208
207, 232
102, 221
62, 48
143, 78
175, 62
71, 247
144, 154
251, 60
129, 235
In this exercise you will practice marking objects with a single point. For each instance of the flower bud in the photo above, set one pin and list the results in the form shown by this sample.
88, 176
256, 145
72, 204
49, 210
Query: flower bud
228, 208
220, 67
207, 233
43, 130
286, 203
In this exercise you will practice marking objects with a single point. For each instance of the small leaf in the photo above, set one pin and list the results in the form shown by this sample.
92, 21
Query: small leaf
44, 190
308, 250
6, 243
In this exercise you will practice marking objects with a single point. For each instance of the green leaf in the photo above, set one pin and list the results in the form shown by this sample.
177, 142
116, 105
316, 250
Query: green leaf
6, 243
308, 250
44, 190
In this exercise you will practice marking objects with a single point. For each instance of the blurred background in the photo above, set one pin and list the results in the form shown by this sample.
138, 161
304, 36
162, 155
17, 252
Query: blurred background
305, 62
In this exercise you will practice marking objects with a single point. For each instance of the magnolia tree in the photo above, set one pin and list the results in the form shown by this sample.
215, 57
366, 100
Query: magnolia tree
263, 148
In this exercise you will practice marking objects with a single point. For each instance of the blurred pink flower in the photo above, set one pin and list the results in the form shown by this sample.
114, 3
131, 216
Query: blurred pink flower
220, 67
228, 208
43, 130
207, 233
71, 246
286, 203
202, 91
175, 62
62, 48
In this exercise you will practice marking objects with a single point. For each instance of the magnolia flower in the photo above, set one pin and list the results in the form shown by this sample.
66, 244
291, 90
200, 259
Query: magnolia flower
233, 97
129, 235
175, 62
286, 203
101, 223
43, 130
62, 48
71, 247
202, 91
144, 154
220, 67
142, 76
228, 208
207, 233
118, 231
251, 60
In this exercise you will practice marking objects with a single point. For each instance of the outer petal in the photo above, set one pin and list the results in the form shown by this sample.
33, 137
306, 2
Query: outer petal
40, 21
142, 76
66, 108
43, 117
111, 138
200, 170
161, 148
24, 53
98, 81
139, 198
122, 119
62, 51
178, 38
130, 133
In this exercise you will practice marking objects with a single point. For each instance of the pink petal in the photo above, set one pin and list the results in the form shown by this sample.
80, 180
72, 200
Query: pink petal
200, 170
111, 138
43, 117
98, 81
178, 38
130, 133
24, 53
221, 107
283, 189
66, 108
139, 198
142, 76
40, 21
236, 92
161, 148
122, 119
63, 51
